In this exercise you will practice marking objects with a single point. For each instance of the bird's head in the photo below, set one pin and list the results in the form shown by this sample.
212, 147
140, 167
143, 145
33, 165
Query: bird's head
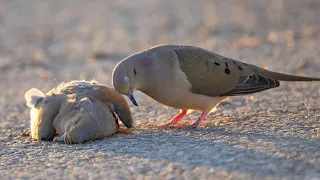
128, 76
44, 109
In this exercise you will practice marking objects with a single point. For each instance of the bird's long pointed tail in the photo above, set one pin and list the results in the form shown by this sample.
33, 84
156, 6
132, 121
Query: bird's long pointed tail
285, 77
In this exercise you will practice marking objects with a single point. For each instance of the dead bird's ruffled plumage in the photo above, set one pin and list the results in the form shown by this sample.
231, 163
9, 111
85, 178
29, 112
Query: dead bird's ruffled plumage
77, 111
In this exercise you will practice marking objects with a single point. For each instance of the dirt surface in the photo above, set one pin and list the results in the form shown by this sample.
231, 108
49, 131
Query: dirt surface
270, 135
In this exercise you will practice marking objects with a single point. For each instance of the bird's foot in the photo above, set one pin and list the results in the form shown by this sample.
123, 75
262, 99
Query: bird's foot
175, 121
203, 124
198, 123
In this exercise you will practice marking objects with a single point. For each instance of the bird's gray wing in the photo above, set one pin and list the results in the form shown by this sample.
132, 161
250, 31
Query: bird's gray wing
214, 75
252, 84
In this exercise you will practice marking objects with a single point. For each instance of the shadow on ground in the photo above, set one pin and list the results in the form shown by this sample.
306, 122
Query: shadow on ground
255, 154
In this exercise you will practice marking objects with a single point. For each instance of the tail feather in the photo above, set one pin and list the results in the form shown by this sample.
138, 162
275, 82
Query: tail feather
285, 77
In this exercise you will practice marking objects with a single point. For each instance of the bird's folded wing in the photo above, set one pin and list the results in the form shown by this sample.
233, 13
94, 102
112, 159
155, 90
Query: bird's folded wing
214, 75
105, 94
252, 84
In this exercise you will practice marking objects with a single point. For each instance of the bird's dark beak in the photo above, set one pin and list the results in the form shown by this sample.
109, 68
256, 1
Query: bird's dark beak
131, 97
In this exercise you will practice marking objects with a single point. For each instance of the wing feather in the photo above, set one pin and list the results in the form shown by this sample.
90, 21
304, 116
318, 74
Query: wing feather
214, 75
255, 83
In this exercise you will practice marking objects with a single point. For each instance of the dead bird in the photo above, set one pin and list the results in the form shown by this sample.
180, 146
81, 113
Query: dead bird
77, 112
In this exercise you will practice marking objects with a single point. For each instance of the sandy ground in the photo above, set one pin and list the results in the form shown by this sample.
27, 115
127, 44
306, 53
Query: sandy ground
270, 135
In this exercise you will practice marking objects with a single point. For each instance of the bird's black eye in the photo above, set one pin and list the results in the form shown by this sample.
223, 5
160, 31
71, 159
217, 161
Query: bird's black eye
135, 72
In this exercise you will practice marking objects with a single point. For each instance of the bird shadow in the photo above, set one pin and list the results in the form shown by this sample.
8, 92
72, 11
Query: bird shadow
218, 149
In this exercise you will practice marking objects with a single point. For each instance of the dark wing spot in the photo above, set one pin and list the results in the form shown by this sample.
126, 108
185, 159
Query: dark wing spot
227, 71
240, 68
234, 62
226, 64
217, 64
135, 72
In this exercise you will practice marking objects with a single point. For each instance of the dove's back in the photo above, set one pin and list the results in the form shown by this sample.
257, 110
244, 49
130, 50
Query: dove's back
214, 75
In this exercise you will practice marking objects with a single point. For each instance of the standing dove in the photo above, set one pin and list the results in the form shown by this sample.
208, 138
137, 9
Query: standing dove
191, 78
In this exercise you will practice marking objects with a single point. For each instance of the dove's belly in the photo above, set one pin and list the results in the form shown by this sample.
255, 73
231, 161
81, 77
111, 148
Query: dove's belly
185, 99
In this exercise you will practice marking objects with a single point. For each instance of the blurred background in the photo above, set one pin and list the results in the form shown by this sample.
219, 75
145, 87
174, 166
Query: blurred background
43, 41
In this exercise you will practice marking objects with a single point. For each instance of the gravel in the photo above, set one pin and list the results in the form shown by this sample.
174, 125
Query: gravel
269, 135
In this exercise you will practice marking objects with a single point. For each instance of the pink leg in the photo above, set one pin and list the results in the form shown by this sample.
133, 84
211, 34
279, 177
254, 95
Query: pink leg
203, 124
199, 121
175, 120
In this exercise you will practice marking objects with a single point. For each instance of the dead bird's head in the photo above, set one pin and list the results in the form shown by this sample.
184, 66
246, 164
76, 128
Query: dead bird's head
44, 108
